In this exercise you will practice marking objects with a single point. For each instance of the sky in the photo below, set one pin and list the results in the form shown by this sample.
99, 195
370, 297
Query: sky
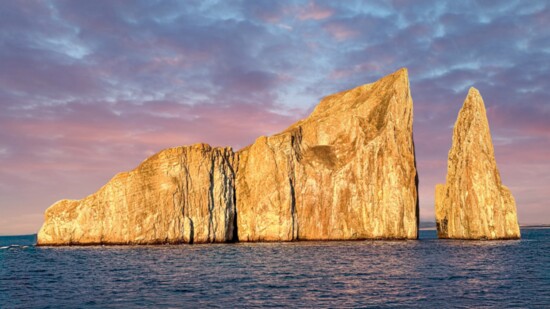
92, 88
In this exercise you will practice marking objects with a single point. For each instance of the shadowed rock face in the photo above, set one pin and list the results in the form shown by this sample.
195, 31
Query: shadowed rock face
474, 204
345, 172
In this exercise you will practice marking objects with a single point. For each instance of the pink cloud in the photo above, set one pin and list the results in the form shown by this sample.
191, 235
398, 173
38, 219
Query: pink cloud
340, 32
314, 11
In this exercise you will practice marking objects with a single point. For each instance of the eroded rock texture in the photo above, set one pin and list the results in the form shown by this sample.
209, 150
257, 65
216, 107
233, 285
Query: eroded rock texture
474, 204
345, 172
183, 194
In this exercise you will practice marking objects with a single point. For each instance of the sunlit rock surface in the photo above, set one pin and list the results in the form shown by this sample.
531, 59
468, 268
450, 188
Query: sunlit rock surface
183, 194
474, 204
345, 172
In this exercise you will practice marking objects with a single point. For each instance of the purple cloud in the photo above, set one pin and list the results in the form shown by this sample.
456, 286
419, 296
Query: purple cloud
88, 89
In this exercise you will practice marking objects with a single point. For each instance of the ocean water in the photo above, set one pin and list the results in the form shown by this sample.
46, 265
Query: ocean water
427, 273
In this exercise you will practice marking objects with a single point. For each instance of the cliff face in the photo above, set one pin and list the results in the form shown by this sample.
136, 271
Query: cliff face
183, 194
474, 204
345, 172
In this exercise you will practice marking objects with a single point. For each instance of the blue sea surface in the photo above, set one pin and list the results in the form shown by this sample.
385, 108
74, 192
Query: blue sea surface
427, 273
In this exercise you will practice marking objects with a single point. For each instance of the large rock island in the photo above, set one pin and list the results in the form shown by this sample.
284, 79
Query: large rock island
474, 204
348, 171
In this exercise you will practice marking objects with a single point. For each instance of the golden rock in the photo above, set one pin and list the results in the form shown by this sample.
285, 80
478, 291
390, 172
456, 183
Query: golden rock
183, 194
474, 204
347, 171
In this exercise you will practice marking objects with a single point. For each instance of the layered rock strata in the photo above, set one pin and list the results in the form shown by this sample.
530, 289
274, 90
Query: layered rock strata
347, 171
474, 204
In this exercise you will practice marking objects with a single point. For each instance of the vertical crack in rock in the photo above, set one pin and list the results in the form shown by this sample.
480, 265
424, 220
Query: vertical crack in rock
294, 223
191, 232
474, 204
235, 228
183, 186
296, 155
229, 198
211, 203
296, 141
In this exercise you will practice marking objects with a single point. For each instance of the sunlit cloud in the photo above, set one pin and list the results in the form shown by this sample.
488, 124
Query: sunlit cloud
91, 88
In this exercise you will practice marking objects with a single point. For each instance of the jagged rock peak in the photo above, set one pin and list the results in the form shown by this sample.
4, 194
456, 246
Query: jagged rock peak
345, 172
473, 204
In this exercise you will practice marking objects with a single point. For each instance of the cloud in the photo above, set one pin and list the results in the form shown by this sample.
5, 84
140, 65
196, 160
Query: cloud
88, 89
315, 11
341, 31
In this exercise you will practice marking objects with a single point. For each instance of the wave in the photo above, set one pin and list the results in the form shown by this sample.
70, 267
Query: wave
14, 247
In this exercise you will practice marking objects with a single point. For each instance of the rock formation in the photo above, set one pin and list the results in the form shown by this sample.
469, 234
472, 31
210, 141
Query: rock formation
346, 172
183, 194
474, 204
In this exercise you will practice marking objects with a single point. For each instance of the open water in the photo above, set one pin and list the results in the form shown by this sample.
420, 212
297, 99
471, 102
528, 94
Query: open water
427, 273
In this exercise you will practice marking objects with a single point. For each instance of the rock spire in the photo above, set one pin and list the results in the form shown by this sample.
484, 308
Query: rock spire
474, 204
